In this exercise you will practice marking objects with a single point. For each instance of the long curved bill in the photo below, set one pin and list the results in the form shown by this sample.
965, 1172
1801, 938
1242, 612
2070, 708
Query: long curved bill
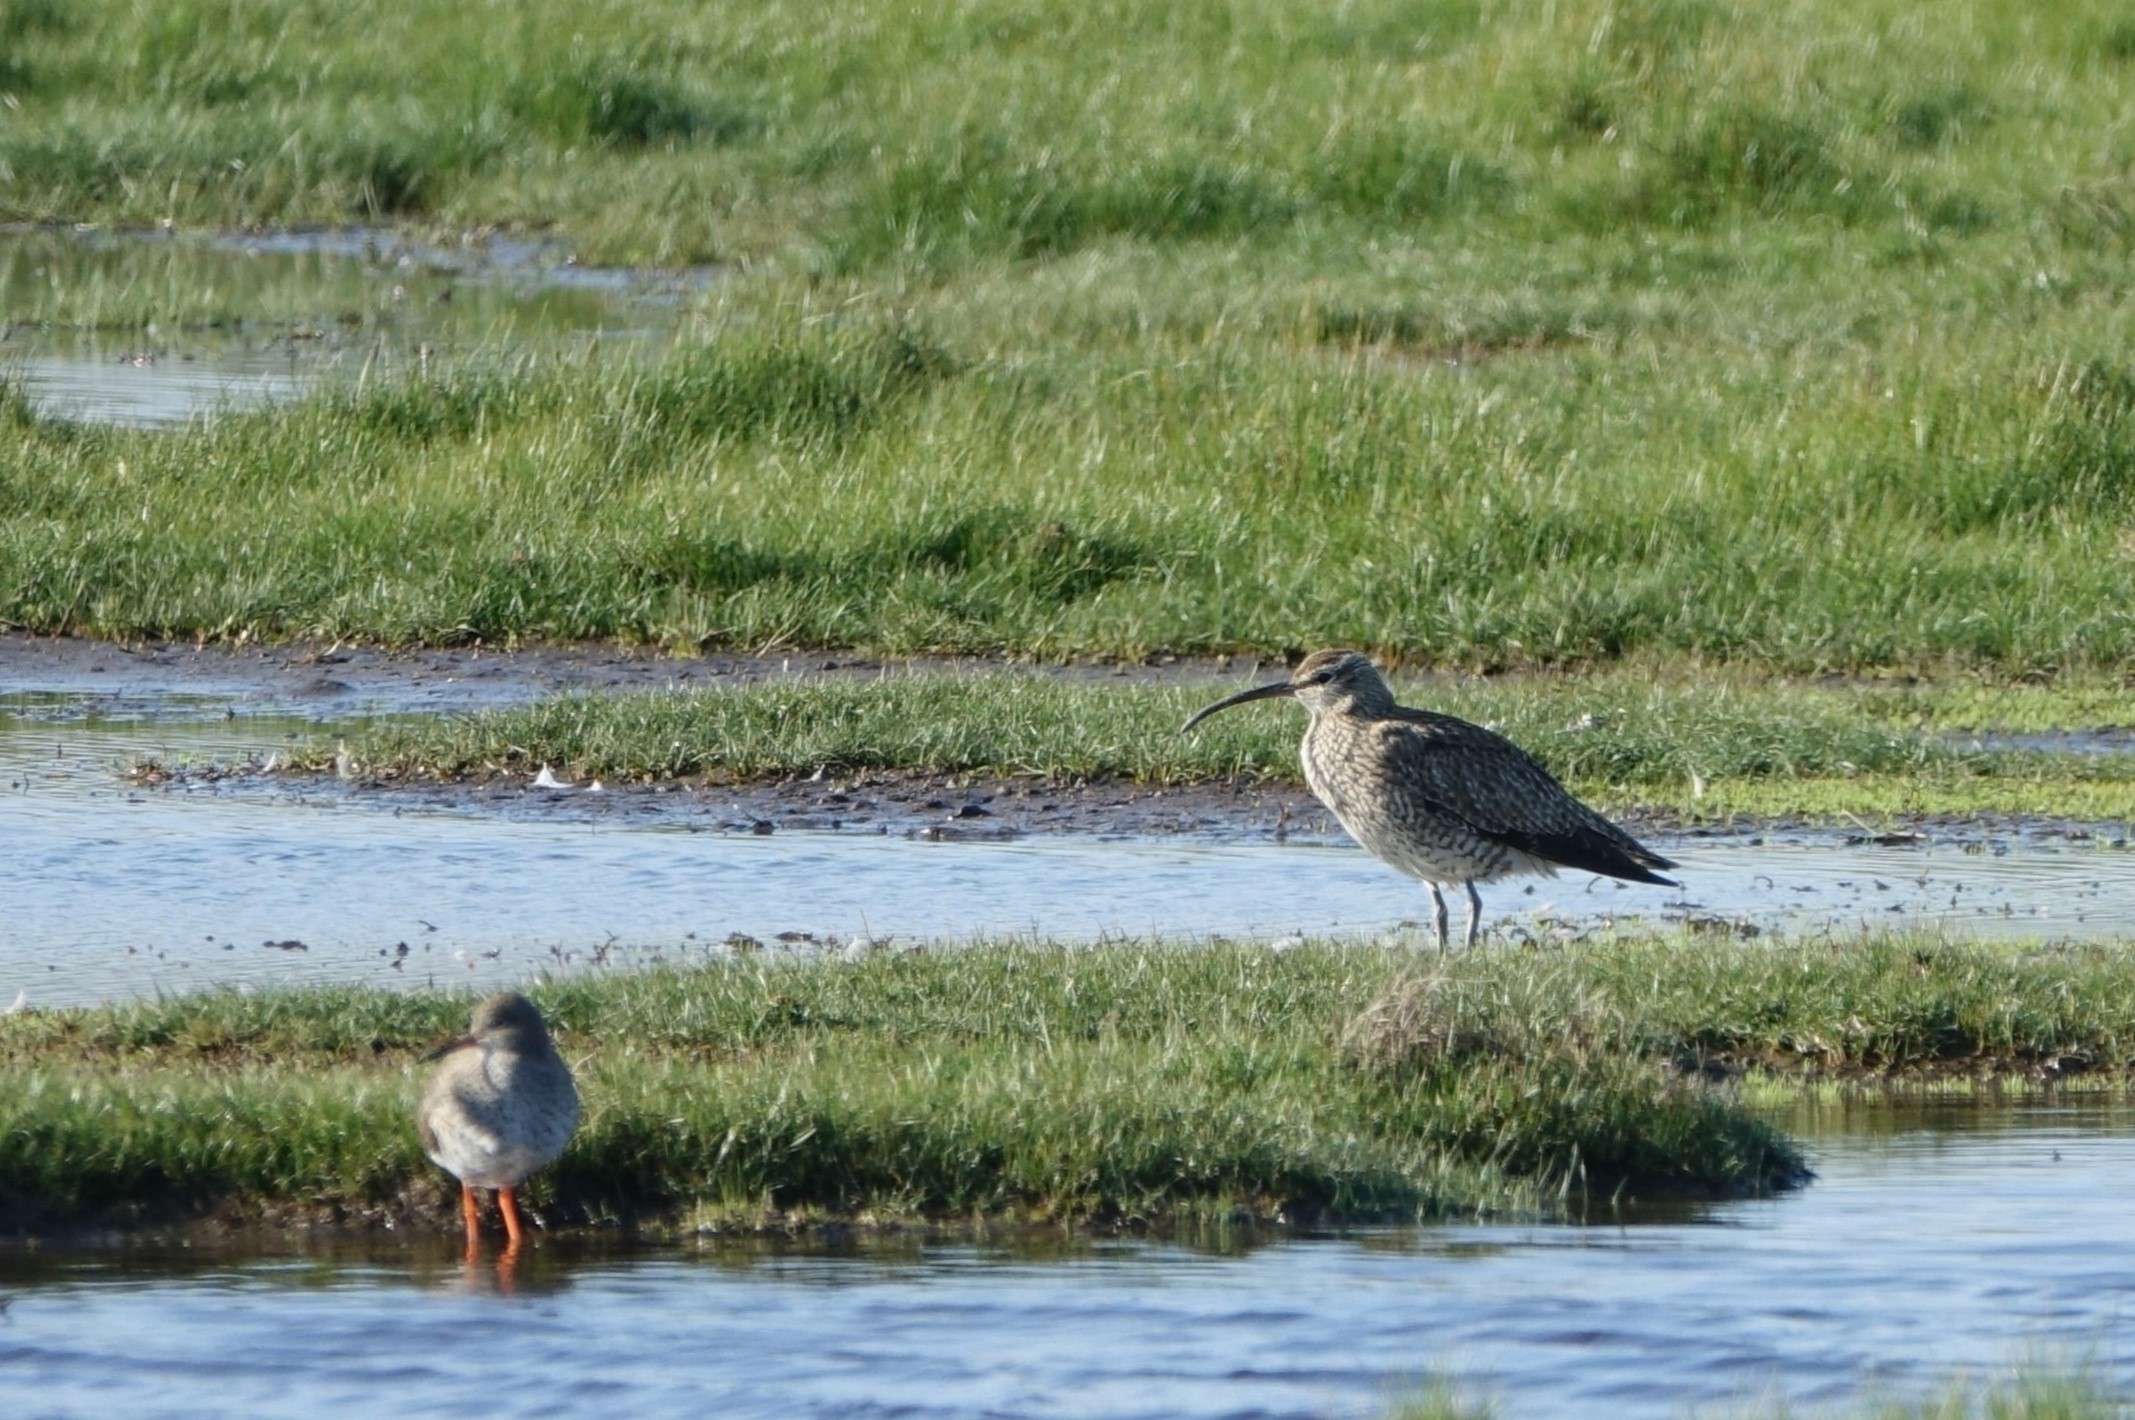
1258, 692
439, 1052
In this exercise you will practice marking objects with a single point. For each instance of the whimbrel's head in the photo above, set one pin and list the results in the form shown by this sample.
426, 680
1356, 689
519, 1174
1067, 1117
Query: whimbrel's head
505, 1021
1325, 682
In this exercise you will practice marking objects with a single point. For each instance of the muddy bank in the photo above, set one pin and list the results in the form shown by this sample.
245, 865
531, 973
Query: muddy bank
325, 685
324, 682
933, 807
953, 807
426, 1214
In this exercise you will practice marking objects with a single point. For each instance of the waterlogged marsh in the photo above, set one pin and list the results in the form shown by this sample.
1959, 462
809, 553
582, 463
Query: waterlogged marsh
1818, 1296
1273, 354
1938, 1241
150, 330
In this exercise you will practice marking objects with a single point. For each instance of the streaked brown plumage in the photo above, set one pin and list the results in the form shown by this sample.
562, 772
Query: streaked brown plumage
1437, 797
501, 1107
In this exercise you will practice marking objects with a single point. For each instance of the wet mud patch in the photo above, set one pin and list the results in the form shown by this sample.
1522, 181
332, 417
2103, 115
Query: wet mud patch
242, 320
331, 680
936, 808
976, 807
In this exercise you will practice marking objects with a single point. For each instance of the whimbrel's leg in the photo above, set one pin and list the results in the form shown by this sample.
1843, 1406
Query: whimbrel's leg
1475, 913
472, 1212
510, 1210
1438, 915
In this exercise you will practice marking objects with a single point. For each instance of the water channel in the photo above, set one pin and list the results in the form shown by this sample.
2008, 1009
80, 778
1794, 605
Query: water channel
118, 889
1938, 1244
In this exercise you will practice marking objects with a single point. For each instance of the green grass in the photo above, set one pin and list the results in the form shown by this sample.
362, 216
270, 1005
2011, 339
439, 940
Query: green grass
1786, 335
1441, 1401
871, 484
1709, 744
1023, 129
1127, 1083
2030, 1393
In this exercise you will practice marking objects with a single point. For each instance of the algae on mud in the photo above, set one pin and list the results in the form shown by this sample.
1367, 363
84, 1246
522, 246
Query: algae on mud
1118, 1085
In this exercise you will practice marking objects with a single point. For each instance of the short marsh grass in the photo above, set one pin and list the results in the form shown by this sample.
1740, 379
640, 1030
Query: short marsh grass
1788, 335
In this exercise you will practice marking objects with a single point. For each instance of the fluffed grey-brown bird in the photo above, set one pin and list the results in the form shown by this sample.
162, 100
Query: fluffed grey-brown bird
1437, 797
500, 1107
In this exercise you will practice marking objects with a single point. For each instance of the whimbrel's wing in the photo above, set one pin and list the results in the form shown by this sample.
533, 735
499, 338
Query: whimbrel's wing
1464, 772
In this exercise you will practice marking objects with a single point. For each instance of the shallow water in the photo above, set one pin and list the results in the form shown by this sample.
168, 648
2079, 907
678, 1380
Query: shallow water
1936, 1241
117, 890
2101, 743
276, 314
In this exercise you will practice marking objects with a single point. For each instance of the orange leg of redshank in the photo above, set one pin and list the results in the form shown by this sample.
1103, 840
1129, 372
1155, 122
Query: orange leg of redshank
472, 1212
510, 1209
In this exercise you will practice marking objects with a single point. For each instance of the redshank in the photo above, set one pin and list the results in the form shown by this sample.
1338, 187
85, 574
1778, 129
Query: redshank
501, 1107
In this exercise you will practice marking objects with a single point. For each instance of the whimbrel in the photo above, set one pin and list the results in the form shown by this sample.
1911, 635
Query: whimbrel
501, 1107
1436, 797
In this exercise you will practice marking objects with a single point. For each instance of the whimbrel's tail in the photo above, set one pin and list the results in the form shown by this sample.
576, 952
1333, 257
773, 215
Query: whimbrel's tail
1640, 869
1599, 847
1617, 855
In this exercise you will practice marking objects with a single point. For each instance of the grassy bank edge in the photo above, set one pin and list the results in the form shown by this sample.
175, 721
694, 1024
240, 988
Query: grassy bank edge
1130, 1085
